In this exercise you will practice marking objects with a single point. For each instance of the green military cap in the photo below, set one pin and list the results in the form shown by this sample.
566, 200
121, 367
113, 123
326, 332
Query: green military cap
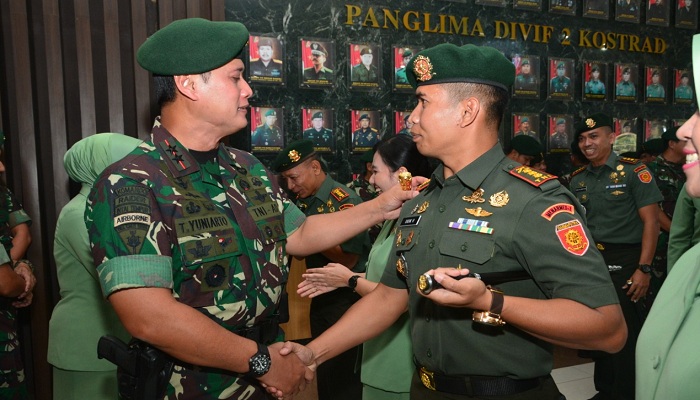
367, 156
294, 154
595, 67
561, 65
271, 112
318, 49
265, 41
670, 134
364, 116
448, 63
527, 145
524, 119
593, 121
684, 75
525, 61
561, 121
365, 50
407, 53
655, 72
627, 70
653, 146
317, 114
405, 118
192, 46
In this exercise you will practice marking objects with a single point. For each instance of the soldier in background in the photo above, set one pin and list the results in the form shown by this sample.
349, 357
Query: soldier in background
524, 129
318, 57
268, 134
524, 149
318, 134
656, 89
401, 72
559, 139
560, 83
626, 87
683, 90
525, 80
365, 135
595, 85
365, 71
265, 65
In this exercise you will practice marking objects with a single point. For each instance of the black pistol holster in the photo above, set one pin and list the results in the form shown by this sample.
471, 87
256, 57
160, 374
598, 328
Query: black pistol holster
143, 371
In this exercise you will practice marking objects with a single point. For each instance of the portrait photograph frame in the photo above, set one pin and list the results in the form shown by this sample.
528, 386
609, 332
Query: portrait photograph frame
526, 84
495, 3
626, 135
561, 87
362, 75
265, 60
267, 129
683, 90
363, 138
533, 5
322, 135
525, 123
314, 73
564, 7
654, 128
655, 90
658, 12
595, 89
623, 92
686, 17
401, 124
555, 142
597, 9
628, 11
399, 79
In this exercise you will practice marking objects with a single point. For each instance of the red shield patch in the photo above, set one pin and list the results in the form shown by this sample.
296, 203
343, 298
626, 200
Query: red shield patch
572, 237
644, 176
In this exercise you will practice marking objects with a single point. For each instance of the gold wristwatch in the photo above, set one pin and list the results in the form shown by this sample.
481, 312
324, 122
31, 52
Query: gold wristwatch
493, 316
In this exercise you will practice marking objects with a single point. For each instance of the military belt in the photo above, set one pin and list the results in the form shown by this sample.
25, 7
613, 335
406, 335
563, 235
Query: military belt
604, 246
477, 385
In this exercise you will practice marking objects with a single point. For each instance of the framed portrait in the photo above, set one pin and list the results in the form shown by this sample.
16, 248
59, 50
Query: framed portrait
654, 128
317, 126
627, 10
365, 126
527, 4
566, 7
625, 135
401, 56
560, 132
561, 78
267, 134
527, 76
678, 122
526, 124
682, 86
317, 64
595, 81
658, 12
265, 65
686, 14
402, 125
626, 82
655, 84
599, 9
497, 3
365, 63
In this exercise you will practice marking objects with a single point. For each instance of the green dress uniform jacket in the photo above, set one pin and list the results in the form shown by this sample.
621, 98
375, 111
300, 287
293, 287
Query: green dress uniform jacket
401, 75
360, 73
684, 92
685, 227
560, 85
266, 135
273, 68
656, 91
595, 87
322, 138
387, 359
324, 74
494, 215
214, 233
625, 89
365, 137
667, 349
525, 82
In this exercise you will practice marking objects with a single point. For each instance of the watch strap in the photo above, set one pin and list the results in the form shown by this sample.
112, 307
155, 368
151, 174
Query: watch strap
646, 268
496, 301
352, 282
262, 353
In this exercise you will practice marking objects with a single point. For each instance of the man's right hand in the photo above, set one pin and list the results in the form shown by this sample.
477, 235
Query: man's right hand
390, 202
293, 367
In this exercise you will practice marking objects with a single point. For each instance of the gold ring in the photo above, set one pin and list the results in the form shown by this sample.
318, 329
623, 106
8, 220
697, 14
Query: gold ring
629, 282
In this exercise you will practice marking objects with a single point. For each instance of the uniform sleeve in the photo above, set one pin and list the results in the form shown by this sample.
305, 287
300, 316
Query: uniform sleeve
293, 217
17, 214
561, 257
644, 187
131, 246
682, 228
359, 243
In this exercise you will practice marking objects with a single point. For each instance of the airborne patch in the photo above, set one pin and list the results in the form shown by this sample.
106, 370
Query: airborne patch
572, 237
132, 216
339, 194
531, 176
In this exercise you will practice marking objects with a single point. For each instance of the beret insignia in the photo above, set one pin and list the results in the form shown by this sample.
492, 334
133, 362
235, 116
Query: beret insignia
590, 122
423, 68
294, 155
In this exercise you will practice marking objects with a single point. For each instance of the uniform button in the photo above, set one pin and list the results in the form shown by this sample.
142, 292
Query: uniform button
442, 208
427, 319
655, 361
431, 244
464, 247
429, 353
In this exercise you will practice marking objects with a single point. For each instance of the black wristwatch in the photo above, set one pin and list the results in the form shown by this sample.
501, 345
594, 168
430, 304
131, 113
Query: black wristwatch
646, 268
352, 282
259, 363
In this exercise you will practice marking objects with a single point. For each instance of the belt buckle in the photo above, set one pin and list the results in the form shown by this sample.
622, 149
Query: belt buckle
427, 378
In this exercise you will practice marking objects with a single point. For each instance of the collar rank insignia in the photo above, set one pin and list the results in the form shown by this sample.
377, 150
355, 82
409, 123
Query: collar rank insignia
423, 185
423, 68
478, 212
499, 199
476, 197
531, 176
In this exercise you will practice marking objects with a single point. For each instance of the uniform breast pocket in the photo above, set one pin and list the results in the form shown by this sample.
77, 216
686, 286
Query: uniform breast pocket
472, 247
406, 238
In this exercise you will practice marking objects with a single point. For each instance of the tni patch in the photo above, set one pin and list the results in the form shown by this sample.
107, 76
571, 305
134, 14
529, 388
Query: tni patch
572, 237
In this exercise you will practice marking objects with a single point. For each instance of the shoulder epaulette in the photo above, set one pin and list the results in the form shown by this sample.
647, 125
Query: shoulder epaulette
532, 176
578, 171
254, 59
339, 194
423, 185
276, 61
630, 160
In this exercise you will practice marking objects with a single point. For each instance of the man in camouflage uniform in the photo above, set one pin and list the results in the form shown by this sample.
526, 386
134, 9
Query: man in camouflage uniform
190, 237
268, 134
318, 193
365, 71
365, 135
667, 169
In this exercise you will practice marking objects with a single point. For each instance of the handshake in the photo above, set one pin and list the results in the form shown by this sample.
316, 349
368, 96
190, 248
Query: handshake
293, 367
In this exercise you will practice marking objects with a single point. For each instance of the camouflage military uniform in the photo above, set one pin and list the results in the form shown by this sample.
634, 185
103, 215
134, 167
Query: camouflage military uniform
214, 233
670, 179
360, 73
11, 215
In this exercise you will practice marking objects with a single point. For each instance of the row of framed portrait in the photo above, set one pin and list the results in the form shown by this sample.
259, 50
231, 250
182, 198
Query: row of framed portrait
560, 130
656, 12
625, 83
267, 132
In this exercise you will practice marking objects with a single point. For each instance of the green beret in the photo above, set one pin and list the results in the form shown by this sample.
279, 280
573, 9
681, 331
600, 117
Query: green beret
655, 72
448, 63
365, 50
192, 46
294, 154
626, 70
407, 53
653, 146
364, 116
524, 119
684, 75
561, 65
271, 112
593, 121
595, 68
265, 41
527, 145
525, 62
317, 114
318, 49
367, 156
670, 134
561, 121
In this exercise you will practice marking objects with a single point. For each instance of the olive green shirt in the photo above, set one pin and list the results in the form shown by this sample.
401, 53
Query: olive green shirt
612, 195
523, 220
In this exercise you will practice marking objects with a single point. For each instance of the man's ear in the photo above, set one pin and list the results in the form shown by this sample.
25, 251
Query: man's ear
185, 85
469, 109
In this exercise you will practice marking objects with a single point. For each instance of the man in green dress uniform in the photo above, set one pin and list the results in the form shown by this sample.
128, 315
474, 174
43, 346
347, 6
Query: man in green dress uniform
365, 135
317, 193
655, 89
318, 134
483, 213
524, 149
560, 83
365, 71
525, 80
318, 72
620, 197
268, 134
401, 72
626, 87
683, 90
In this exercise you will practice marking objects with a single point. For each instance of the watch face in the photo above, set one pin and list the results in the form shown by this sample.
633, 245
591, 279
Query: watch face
645, 268
260, 364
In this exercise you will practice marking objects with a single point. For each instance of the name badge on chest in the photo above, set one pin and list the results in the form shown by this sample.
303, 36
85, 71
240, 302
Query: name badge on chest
410, 221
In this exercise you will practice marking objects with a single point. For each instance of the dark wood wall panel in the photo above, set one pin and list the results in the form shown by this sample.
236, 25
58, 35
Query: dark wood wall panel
68, 70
